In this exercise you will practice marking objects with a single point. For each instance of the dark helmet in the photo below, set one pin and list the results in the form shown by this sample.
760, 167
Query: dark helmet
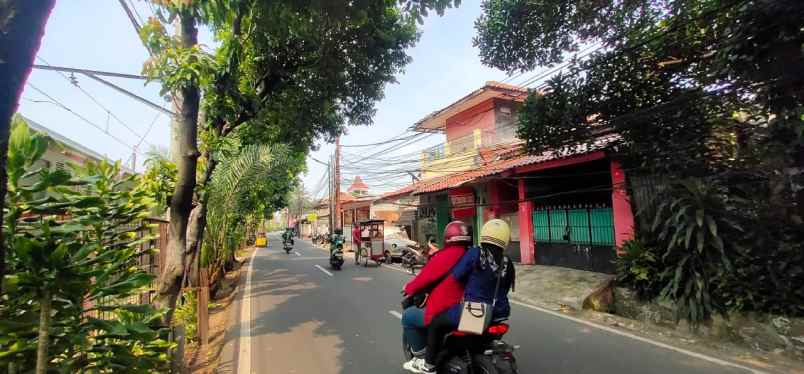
457, 232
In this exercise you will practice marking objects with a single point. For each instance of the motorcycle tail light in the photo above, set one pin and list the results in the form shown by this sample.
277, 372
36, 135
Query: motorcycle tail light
499, 329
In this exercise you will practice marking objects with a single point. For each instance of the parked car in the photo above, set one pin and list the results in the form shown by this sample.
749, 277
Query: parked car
395, 241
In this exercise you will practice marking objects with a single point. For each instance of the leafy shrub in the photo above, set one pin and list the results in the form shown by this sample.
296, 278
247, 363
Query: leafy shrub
72, 255
689, 226
187, 315
639, 269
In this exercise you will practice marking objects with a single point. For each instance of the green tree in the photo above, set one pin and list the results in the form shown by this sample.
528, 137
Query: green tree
704, 91
22, 25
292, 71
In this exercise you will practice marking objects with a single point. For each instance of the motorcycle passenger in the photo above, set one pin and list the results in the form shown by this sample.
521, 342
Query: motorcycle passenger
445, 291
478, 270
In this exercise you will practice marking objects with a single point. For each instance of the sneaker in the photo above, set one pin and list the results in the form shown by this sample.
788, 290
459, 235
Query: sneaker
422, 367
409, 365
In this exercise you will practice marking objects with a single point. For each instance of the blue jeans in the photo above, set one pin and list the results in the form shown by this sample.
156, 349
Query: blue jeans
413, 329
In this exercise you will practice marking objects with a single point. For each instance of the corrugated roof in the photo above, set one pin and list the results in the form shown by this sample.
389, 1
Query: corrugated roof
63, 139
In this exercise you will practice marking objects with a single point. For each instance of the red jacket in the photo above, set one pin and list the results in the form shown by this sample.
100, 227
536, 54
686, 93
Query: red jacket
356, 236
448, 291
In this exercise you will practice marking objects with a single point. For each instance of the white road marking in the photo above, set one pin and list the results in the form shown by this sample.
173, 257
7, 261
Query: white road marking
392, 267
297, 253
324, 270
395, 314
307, 258
244, 356
641, 339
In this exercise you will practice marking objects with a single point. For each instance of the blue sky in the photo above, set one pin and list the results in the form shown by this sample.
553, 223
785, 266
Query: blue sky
97, 35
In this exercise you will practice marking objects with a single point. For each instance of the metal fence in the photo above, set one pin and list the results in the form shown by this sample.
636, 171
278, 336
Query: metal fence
150, 260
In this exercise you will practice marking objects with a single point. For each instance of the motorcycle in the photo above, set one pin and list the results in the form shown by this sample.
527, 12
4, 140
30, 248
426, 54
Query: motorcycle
287, 245
411, 259
336, 253
463, 353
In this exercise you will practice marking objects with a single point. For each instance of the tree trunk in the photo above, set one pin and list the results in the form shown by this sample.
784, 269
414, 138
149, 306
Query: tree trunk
22, 24
185, 132
44, 333
198, 223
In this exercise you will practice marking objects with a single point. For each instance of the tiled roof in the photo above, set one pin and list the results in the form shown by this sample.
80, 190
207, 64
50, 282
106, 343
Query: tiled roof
506, 86
358, 184
399, 193
498, 160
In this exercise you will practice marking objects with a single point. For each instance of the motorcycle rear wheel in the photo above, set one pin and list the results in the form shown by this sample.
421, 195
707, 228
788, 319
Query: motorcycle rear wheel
482, 364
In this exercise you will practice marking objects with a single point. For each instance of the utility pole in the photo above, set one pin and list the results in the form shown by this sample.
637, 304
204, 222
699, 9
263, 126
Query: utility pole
338, 223
134, 160
330, 188
300, 204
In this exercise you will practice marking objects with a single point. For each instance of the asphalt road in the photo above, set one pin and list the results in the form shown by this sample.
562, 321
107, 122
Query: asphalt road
303, 320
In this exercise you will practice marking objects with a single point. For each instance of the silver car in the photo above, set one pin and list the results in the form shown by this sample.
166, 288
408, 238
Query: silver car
395, 241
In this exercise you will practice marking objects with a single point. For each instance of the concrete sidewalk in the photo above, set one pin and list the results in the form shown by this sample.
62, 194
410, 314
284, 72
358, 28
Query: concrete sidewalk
556, 288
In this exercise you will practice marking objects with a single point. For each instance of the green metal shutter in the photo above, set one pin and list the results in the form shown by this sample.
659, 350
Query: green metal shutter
602, 226
541, 226
558, 225
579, 226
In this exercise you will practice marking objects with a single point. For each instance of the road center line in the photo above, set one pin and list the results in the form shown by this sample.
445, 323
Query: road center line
244, 355
395, 314
641, 339
324, 270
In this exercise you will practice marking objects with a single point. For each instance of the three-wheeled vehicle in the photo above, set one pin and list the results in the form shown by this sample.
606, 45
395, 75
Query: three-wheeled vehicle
372, 246
261, 240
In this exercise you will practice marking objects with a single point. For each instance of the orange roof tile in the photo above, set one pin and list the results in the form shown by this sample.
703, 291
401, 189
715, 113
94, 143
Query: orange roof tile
498, 160
399, 192
358, 184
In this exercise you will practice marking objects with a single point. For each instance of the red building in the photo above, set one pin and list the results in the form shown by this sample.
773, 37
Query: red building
566, 209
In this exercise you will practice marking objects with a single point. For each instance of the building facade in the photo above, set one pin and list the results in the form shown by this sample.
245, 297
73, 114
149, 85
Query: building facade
568, 208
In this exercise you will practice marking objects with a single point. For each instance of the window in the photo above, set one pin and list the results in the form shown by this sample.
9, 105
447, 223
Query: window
589, 226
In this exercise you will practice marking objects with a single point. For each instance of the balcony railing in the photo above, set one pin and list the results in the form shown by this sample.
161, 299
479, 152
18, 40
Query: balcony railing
469, 143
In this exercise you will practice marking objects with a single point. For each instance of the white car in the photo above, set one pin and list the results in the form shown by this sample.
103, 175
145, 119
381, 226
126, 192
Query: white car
394, 243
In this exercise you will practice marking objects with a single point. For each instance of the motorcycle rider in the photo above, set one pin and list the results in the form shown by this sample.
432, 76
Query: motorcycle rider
334, 239
445, 291
287, 236
478, 270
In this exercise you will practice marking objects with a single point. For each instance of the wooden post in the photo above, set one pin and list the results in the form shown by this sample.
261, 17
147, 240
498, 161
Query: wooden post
203, 311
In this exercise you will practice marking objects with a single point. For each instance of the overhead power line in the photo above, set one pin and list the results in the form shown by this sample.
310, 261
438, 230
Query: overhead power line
74, 83
88, 71
54, 101
133, 95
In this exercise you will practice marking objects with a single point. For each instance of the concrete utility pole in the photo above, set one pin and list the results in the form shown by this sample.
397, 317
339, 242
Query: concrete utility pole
330, 188
338, 223
301, 206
